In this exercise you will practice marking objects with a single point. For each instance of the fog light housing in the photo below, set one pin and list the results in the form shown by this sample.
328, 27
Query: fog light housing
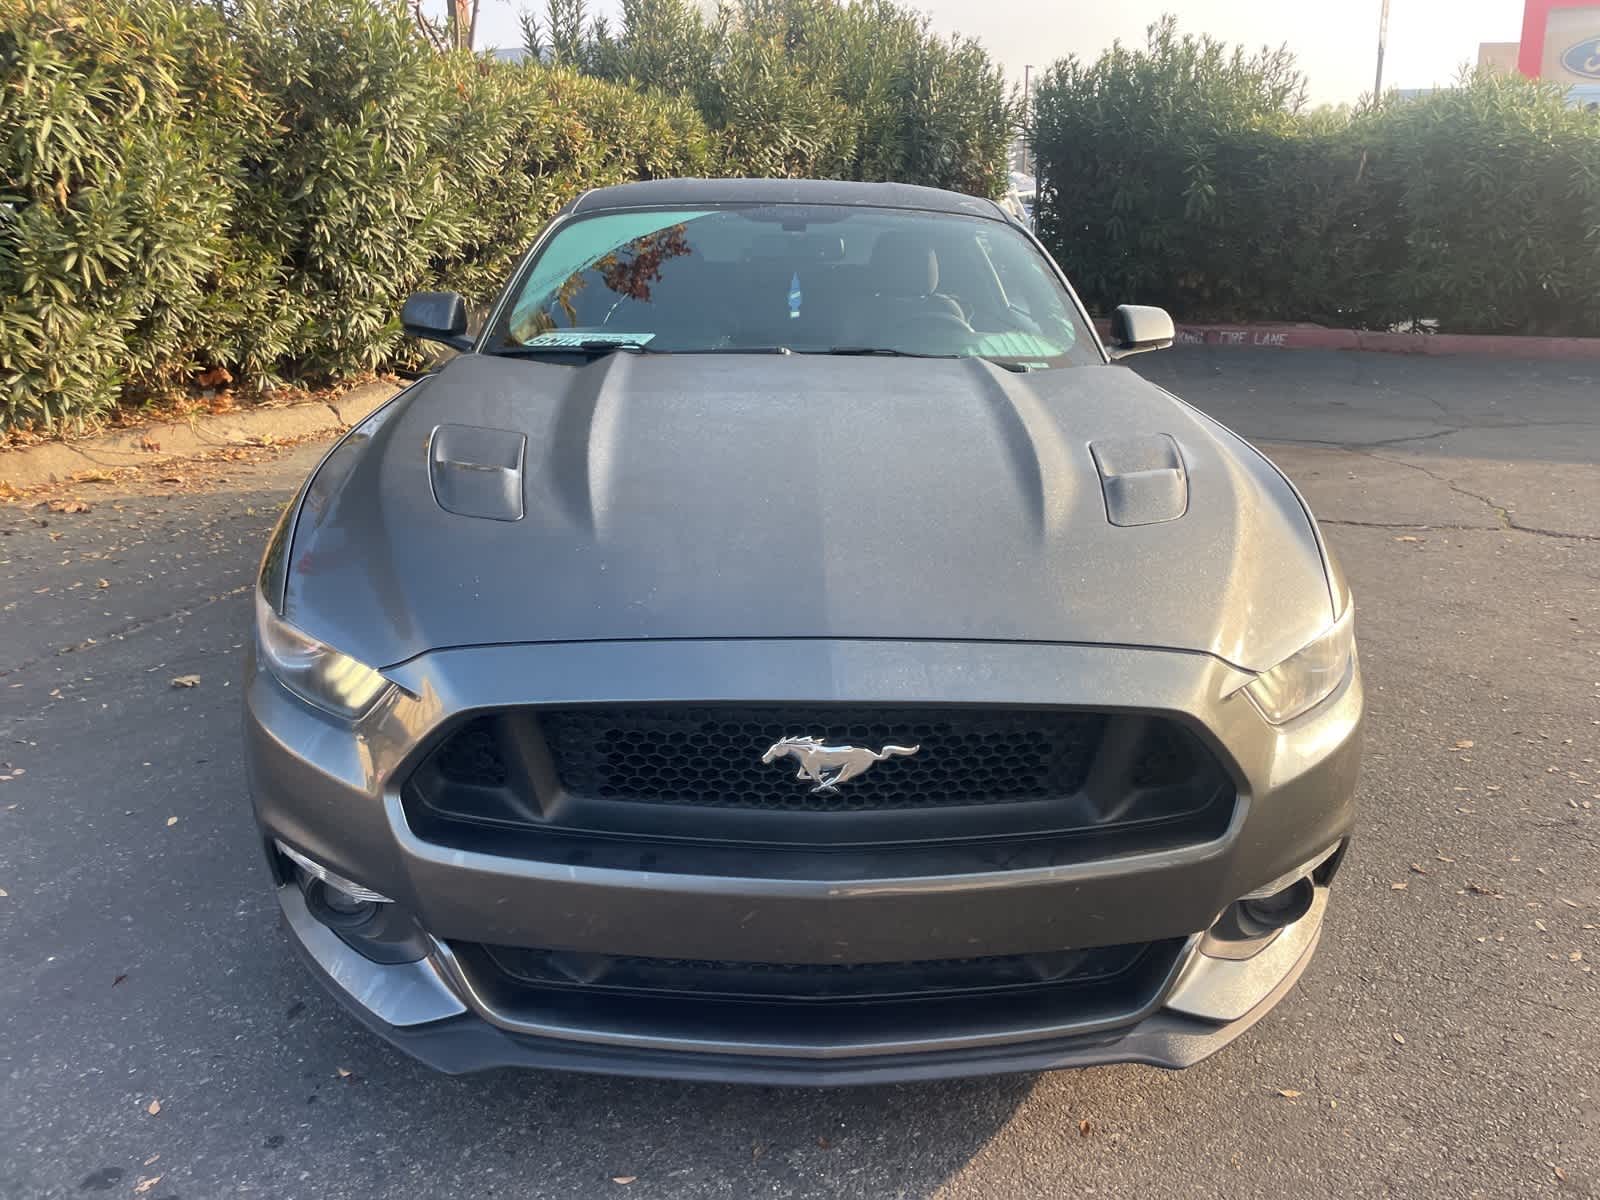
350, 892
1271, 913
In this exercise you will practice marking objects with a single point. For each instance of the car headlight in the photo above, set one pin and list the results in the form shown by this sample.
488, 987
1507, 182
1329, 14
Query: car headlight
313, 670
1308, 676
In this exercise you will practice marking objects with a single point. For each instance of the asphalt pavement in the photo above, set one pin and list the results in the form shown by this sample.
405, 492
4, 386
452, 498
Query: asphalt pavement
159, 1039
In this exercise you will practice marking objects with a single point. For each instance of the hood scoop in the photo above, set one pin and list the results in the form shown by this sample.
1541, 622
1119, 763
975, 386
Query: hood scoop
477, 472
1143, 478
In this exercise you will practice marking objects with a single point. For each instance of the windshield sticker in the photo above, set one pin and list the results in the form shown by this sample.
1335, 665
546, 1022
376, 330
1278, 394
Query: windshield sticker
794, 296
578, 339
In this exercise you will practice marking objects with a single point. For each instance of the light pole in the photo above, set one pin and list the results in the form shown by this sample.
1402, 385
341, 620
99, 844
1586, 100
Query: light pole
1027, 114
1383, 38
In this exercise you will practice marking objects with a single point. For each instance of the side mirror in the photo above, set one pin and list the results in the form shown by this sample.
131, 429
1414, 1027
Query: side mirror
437, 317
1136, 328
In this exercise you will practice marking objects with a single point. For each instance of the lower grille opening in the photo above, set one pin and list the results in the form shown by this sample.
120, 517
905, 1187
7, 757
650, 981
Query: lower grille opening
755, 981
566, 781
807, 1006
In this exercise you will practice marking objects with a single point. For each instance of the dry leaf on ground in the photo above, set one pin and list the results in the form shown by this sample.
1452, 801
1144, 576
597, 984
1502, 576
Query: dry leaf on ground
153, 1107
1290, 1093
185, 681
144, 1185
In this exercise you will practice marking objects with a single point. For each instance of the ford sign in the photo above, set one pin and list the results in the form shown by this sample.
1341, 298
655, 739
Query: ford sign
1584, 58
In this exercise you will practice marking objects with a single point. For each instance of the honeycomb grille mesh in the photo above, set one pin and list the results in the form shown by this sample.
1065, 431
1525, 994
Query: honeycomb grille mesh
713, 756
709, 978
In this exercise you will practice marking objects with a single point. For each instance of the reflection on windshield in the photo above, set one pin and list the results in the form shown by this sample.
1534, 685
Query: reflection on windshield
807, 278
628, 271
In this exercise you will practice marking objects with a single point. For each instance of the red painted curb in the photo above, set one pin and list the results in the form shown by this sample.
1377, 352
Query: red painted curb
1319, 337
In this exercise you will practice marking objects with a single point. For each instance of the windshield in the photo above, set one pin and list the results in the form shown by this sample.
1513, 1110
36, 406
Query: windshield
804, 278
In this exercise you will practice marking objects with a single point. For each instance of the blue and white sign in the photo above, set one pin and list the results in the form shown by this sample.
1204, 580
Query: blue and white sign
1584, 58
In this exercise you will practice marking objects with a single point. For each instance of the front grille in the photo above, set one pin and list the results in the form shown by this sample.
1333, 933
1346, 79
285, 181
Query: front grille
713, 756
709, 979
646, 775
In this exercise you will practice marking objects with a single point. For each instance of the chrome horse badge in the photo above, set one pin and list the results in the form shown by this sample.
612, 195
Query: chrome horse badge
829, 766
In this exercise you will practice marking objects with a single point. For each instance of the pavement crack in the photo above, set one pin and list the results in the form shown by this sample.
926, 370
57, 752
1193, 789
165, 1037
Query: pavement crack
121, 633
1503, 515
1405, 525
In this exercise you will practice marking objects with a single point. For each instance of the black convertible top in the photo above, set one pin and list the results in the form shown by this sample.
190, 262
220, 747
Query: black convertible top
673, 192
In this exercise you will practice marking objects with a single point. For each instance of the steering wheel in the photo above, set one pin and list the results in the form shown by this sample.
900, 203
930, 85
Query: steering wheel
933, 320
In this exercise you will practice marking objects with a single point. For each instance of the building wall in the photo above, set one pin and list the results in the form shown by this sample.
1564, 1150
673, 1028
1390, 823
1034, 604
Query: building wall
1501, 56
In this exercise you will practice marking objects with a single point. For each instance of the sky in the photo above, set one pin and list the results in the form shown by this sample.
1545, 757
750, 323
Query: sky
1335, 41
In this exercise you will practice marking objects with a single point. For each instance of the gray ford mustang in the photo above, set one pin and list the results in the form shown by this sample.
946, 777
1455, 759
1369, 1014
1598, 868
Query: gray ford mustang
780, 646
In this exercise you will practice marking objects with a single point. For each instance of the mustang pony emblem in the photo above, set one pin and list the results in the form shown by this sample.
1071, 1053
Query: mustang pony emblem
829, 766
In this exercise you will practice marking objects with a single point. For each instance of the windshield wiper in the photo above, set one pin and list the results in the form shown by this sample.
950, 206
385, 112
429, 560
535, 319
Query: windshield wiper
1018, 368
591, 348
885, 351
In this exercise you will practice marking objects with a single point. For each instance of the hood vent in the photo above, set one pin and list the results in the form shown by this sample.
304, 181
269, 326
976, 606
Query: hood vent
477, 472
1143, 479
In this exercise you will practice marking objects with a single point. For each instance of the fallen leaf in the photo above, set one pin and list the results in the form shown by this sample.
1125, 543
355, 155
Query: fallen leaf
1085, 1127
1398, 887
149, 1161
149, 443
185, 681
1408, 537
1463, 744
1575, 956
102, 583
1419, 868
1290, 1093
1399, 1039
153, 1107
1539, 925
623, 1179
1560, 1174
67, 506
342, 1072
172, 821
118, 980
144, 1185
4, 893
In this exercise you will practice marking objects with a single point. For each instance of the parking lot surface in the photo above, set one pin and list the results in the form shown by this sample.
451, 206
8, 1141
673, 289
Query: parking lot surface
159, 1038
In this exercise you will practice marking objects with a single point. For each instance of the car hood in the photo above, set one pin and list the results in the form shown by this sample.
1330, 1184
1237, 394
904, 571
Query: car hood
799, 496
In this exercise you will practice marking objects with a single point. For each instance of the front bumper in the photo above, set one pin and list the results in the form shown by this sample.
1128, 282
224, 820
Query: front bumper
332, 792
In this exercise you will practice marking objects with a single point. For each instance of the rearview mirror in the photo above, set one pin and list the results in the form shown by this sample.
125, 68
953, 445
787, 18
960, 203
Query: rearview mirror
1136, 328
437, 317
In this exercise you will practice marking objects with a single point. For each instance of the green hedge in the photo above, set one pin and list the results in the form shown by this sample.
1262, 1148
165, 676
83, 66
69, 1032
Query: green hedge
851, 89
1189, 175
180, 190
